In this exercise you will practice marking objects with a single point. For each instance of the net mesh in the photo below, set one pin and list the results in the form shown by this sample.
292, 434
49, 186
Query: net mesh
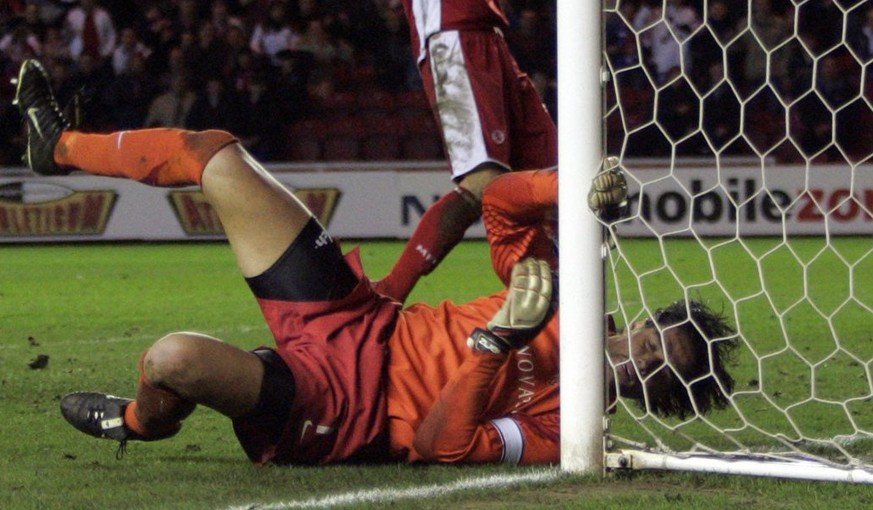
744, 129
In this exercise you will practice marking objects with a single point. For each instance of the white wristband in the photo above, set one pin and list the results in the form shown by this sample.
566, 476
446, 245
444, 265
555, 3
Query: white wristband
513, 440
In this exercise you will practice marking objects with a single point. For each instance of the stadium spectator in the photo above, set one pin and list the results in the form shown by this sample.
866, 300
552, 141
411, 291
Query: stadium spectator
55, 46
216, 107
820, 25
706, 52
395, 68
10, 9
291, 86
683, 17
245, 67
836, 86
262, 131
491, 118
328, 392
274, 33
187, 16
92, 31
210, 55
170, 109
722, 20
129, 46
662, 34
304, 11
222, 20
678, 112
130, 94
177, 63
860, 33
770, 28
91, 79
324, 48
33, 20
721, 117
237, 40
621, 42
157, 32
20, 44
190, 52
531, 42
65, 79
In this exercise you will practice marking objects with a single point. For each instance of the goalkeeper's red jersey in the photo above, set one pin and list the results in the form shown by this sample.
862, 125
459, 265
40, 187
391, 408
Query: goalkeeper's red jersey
483, 407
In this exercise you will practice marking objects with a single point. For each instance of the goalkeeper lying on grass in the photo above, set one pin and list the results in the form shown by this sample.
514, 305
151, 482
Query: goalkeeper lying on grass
351, 377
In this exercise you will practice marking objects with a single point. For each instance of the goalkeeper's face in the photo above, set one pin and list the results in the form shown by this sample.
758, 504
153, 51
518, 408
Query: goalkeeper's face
644, 363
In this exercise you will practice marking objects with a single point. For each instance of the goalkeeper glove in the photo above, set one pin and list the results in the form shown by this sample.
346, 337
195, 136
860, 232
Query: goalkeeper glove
608, 196
523, 314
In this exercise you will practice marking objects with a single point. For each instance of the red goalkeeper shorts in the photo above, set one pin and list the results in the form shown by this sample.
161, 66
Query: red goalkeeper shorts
336, 352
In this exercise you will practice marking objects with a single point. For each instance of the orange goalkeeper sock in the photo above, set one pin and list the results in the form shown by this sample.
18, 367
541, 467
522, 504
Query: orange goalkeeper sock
164, 157
156, 413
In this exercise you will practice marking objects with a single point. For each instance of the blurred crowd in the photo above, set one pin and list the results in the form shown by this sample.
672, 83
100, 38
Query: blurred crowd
741, 77
334, 79
262, 69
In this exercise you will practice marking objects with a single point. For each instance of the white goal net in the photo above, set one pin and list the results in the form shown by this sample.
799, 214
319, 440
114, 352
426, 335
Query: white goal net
746, 128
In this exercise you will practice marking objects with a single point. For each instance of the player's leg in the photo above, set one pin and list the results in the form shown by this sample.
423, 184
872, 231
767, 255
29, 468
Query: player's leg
261, 218
178, 372
185, 369
441, 228
258, 214
473, 122
195, 368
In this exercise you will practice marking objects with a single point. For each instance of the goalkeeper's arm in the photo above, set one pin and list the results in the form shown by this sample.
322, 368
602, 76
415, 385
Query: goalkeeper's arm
455, 429
526, 309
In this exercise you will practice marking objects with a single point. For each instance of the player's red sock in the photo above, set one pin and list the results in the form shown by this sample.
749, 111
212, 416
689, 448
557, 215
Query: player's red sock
156, 413
158, 157
440, 229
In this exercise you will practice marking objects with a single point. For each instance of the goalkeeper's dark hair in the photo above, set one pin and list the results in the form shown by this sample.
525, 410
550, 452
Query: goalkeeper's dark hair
712, 341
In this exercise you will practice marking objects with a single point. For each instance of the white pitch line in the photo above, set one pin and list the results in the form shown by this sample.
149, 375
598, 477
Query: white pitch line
390, 495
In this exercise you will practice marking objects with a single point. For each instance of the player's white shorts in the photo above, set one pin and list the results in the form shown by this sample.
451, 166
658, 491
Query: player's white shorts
489, 111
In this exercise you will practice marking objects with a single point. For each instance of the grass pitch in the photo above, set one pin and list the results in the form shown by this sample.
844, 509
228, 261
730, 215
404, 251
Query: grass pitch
77, 317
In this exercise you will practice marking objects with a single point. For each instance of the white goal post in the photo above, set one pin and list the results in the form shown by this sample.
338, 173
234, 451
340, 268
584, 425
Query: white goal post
742, 125
579, 141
